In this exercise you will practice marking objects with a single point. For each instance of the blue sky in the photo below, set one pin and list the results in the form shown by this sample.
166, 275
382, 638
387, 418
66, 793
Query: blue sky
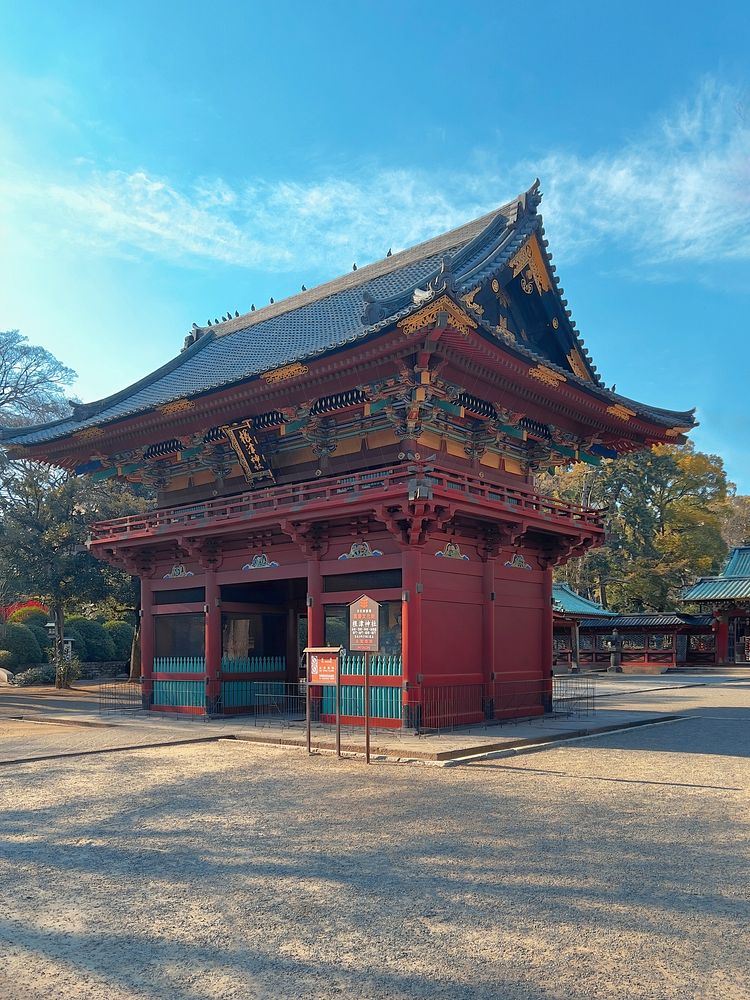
163, 163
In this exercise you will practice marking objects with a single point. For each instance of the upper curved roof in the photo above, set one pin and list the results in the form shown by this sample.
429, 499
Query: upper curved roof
337, 313
732, 584
569, 602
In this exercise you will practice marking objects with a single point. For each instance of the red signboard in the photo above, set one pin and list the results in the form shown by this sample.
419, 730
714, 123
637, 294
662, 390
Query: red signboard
364, 631
323, 668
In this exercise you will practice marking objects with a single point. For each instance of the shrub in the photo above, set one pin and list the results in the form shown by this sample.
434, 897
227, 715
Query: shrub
21, 643
80, 649
44, 674
29, 616
44, 640
70, 671
6, 659
121, 634
97, 643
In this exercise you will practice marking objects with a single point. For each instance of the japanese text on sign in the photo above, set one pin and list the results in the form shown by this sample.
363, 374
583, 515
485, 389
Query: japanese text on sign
364, 632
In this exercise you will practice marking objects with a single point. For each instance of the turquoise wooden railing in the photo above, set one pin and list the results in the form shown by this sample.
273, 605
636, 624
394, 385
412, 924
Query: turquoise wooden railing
179, 694
385, 702
381, 664
248, 694
253, 664
179, 664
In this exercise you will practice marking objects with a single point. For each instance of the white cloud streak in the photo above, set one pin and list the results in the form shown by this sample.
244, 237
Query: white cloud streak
681, 193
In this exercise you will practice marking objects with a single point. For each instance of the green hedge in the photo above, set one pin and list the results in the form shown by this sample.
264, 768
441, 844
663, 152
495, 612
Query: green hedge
93, 643
21, 643
121, 634
36, 675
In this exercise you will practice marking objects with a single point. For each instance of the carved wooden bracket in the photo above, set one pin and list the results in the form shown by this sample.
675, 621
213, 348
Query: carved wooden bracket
413, 523
208, 551
311, 537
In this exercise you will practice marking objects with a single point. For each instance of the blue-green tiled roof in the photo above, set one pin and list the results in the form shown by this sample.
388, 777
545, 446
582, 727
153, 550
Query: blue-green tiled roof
568, 601
733, 583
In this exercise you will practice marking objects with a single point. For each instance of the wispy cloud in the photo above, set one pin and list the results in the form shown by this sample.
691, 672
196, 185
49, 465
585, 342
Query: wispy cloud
680, 192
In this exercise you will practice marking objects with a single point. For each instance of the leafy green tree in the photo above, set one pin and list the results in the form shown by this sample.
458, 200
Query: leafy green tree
663, 520
44, 519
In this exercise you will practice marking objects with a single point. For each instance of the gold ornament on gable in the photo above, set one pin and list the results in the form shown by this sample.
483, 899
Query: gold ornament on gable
287, 372
529, 264
428, 316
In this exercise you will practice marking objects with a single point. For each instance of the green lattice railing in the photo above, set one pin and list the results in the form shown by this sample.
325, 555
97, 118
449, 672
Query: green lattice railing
381, 664
253, 664
385, 702
179, 694
179, 664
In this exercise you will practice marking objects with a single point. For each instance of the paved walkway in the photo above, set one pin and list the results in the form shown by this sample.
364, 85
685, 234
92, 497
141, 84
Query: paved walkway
622, 701
608, 868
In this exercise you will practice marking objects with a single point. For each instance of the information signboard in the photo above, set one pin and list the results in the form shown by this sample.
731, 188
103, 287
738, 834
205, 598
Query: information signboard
364, 626
323, 667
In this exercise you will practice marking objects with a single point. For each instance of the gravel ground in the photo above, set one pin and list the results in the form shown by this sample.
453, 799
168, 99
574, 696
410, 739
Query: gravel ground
613, 868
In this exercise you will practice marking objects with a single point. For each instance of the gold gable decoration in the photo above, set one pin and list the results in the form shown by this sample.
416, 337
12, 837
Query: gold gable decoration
547, 375
429, 314
468, 299
245, 446
529, 264
674, 432
621, 412
578, 367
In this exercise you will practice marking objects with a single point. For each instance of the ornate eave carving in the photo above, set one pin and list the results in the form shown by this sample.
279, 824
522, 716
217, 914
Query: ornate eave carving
547, 375
621, 412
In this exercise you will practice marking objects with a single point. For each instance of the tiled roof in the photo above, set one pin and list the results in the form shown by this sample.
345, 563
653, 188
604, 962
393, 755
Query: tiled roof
666, 619
330, 317
568, 601
732, 584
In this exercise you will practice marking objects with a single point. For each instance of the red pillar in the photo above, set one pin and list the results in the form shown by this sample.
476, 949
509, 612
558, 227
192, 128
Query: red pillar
213, 643
147, 643
488, 621
547, 627
721, 628
411, 634
315, 616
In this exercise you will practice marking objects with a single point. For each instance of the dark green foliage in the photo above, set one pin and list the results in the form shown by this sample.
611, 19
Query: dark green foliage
36, 675
122, 636
21, 643
43, 638
6, 659
99, 646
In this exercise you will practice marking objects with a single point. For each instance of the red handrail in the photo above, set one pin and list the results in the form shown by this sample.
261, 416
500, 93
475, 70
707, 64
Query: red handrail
287, 499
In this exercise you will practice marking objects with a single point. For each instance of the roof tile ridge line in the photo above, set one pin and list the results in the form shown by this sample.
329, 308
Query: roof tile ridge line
376, 269
501, 255
96, 407
9, 433
453, 264
577, 338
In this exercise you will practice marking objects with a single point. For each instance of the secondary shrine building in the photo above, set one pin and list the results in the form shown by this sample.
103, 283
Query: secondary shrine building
378, 434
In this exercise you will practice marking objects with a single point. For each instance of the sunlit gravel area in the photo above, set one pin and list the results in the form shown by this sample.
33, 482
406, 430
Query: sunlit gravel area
615, 867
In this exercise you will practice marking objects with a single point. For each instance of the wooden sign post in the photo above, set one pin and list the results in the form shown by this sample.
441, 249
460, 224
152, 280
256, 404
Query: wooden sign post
364, 637
323, 667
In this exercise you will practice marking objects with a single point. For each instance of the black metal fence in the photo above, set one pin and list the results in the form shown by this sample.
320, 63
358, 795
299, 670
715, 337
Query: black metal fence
119, 696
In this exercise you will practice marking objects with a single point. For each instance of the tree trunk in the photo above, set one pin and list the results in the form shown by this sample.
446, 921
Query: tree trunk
58, 615
602, 592
135, 654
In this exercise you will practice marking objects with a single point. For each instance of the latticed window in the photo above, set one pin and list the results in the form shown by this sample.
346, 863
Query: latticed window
661, 640
634, 640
